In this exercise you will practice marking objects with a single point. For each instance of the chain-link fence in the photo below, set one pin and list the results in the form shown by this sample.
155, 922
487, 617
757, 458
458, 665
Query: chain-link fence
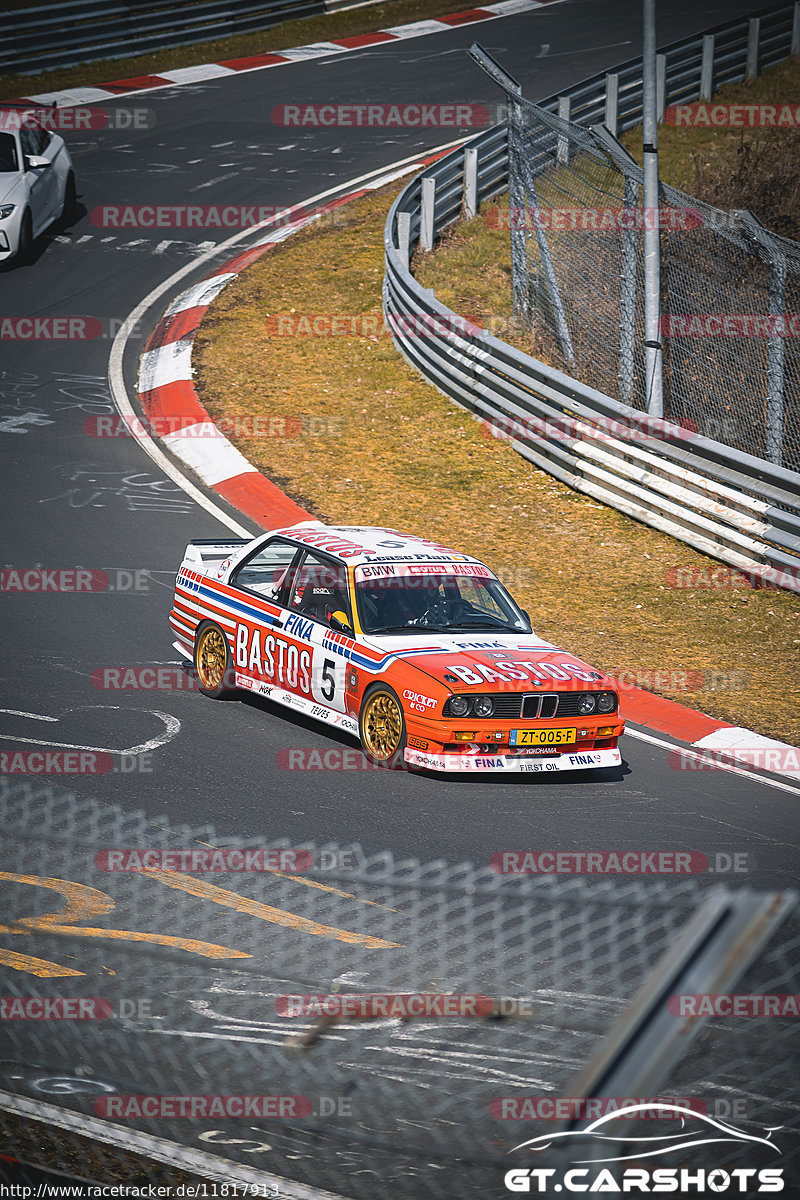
161, 1020
730, 290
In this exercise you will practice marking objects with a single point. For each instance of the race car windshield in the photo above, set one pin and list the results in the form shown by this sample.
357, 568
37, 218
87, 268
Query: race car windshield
437, 601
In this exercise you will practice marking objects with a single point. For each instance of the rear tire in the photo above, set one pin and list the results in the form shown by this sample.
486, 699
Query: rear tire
382, 728
213, 662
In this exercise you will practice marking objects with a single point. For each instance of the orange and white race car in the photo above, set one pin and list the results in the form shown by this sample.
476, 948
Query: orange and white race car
418, 650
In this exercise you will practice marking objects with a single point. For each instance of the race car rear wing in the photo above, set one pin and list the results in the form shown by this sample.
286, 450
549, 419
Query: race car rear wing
207, 553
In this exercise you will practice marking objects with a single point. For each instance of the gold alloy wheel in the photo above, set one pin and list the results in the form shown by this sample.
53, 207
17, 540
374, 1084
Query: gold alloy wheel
211, 656
382, 726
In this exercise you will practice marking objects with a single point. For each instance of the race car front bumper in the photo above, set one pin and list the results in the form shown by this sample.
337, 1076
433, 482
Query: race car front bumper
578, 760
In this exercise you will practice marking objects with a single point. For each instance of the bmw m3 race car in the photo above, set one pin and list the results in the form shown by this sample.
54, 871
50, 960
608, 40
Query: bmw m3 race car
418, 650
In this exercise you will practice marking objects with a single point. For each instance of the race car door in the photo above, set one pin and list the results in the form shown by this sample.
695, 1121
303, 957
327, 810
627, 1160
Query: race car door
320, 608
264, 579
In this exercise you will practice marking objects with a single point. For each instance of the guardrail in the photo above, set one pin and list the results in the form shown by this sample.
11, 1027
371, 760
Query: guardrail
77, 31
730, 505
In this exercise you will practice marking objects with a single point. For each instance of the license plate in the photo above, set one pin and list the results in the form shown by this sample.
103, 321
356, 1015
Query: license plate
542, 737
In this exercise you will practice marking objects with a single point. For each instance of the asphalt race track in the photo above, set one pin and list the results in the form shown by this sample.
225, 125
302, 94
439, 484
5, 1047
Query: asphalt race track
71, 500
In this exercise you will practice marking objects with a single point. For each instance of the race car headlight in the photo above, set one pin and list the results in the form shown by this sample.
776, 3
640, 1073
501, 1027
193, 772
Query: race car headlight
586, 704
606, 702
6, 209
483, 706
459, 706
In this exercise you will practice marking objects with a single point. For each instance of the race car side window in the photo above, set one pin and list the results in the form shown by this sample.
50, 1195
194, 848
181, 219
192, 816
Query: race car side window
31, 141
8, 153
319, 590
267, 571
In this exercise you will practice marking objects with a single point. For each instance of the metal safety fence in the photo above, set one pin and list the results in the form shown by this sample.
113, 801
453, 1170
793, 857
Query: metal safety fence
69, 32
699, 486
730, 327
167, 1020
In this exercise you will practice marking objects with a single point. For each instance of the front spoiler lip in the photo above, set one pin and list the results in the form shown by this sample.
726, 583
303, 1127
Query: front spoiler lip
578, 760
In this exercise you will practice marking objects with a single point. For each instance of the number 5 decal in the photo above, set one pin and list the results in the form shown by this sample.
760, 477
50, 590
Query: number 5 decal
328, 679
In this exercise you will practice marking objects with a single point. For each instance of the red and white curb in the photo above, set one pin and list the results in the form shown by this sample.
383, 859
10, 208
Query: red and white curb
259, 62
713, 742
167, 394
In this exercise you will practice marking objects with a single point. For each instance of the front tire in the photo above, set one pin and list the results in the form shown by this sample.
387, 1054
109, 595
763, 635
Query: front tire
25, 247
213, 662
70, 202
382, 728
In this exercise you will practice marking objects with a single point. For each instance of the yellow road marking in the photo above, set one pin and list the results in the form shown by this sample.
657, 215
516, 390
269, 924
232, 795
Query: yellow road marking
326, 887
83, 902
253, 908
35, 966
323, 887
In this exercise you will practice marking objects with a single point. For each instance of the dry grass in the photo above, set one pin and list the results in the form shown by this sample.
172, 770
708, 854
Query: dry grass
395, 452
740, 167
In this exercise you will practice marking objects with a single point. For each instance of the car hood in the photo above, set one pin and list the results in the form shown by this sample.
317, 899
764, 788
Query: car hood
9, 184
507, 662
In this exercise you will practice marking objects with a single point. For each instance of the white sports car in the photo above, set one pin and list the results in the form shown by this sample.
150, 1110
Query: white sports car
37, 182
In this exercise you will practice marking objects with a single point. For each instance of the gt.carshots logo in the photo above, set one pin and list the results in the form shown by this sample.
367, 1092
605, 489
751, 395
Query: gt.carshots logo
689, 1128
681, 1181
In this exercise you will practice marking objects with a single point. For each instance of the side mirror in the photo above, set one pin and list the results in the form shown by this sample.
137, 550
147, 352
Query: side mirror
339, 622
35, 161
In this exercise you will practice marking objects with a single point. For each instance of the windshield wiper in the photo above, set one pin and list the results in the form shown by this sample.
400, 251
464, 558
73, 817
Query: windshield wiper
484, 623
411, 629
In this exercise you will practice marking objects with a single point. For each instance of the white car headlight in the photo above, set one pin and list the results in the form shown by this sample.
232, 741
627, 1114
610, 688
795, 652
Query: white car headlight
6, 210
